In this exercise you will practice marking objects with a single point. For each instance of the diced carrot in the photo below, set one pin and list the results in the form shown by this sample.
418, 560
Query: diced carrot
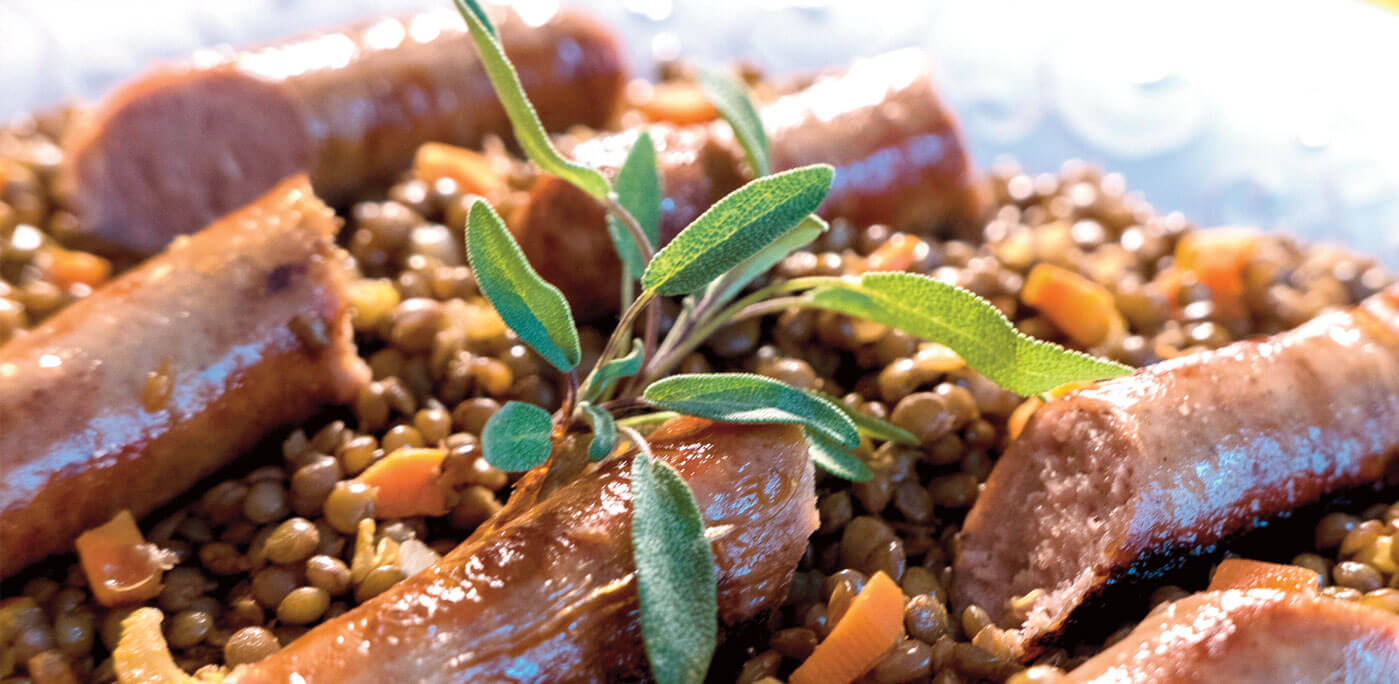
68, 267
120, 566
1083, 309
142, 655
1021, 416
897, 253
470, 169
409, 483
1217, 257
870, 627
1239, 573
1063, 390
679, 103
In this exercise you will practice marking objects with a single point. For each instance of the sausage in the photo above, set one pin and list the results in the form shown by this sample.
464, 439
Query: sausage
1175, 458
898, 151
1258, 635
131, 395
551, 595
174, 150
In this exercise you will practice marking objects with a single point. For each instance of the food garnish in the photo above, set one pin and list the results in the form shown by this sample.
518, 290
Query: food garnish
709, 264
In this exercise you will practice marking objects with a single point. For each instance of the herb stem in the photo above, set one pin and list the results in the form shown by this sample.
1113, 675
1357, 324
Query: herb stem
702, 324
620, 334
564, 417
615, 208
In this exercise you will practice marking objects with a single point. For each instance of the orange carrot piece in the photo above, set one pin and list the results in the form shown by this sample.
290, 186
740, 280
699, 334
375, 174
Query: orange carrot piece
897, 253
1083, 309
1239, 573
1217, 257
470, 169
871, 626
120, 566
680, 103
409, 483
68, 267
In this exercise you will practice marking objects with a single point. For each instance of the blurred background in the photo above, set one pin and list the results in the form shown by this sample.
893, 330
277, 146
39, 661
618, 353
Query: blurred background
1282, 114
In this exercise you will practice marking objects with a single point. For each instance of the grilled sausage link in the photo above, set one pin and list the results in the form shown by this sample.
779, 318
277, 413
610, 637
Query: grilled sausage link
1178, 456
1256, 636
129, 396
551, 595
174, 150
898, 152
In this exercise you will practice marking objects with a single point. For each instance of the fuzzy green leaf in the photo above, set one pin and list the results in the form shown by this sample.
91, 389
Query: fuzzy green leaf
731, 99
875, 428
796, 237
604, 431
836, 459
516, 438
480, 13
639, 192
967, 324
533, 308
746, 398
675, 572
524, 120
621, 367
735, 228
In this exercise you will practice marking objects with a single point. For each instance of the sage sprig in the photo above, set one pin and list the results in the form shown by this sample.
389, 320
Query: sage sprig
713, 261
731, 99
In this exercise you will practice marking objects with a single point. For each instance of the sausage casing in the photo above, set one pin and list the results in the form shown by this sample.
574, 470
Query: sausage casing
131, 395
174, 150
898, 151
1257, 636
551, 595
1178, 456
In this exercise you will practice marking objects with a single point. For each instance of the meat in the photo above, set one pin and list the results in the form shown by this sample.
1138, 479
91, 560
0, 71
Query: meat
1258, 635
898, 152
172, 151
551, 594
129, 396
1175, 458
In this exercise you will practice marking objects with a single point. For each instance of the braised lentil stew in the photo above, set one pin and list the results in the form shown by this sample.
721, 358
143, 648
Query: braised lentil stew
277, 545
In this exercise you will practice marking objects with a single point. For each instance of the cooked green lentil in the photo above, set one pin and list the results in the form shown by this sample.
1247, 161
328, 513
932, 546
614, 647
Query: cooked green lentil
271, 551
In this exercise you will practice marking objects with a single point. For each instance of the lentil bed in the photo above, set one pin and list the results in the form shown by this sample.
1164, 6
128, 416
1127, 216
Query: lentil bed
265, 553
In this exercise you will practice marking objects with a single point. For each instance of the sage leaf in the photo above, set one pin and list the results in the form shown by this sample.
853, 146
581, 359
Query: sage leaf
533, 308
968, 325
621, 367
516, 438
836, 459
731, 99
475, 8
674, 570
646, 419
747, 398
796, 237
735, 228
524, 120
875, 428
604, 431
638, 186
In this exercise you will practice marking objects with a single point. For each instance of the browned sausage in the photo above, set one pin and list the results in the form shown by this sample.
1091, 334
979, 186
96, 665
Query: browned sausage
128, 397
1178, 456
174, 150
551, 594
898, 152
1258, 636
